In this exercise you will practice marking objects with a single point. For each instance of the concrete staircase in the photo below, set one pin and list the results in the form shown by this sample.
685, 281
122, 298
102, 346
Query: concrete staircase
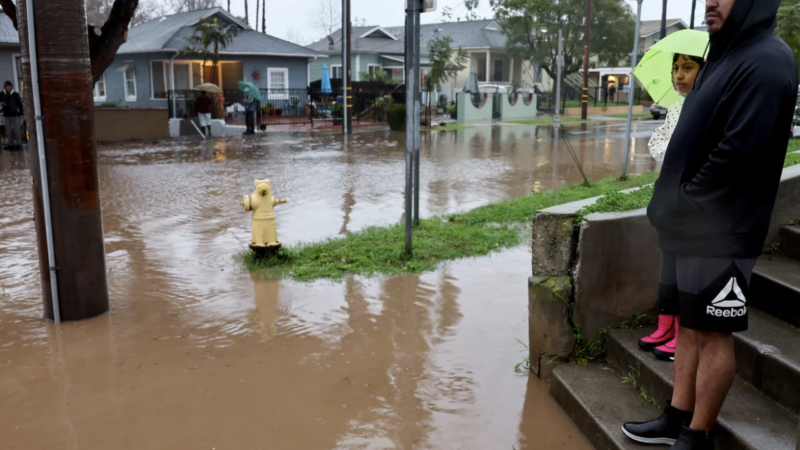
761, 410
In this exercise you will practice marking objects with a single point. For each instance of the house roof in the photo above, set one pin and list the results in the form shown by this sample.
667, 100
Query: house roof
467, 34
8, 34
651, 27
170, 33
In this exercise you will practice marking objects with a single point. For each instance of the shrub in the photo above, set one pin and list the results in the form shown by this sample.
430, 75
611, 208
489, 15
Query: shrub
396, 115
451, 109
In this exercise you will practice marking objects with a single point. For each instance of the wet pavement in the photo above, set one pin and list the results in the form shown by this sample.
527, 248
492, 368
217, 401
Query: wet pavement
199, 354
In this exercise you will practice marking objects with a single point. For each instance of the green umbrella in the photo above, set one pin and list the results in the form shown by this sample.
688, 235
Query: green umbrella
655, 69
250, 89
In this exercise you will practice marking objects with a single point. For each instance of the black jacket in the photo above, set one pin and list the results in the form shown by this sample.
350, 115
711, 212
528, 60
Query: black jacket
723, 166
12, 104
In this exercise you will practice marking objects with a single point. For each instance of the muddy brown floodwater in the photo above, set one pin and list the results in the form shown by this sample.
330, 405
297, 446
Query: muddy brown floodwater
200, 354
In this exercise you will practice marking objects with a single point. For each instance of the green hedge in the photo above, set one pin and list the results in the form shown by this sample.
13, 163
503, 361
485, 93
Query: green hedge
396, 115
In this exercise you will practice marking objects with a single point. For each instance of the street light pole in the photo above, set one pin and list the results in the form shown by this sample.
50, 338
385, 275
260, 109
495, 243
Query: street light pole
587, 39
412, 69
632, 86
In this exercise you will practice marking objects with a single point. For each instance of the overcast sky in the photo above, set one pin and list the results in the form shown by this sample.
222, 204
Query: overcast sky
297, 15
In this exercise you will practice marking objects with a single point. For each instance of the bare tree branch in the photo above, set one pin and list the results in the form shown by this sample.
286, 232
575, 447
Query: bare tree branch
329, 16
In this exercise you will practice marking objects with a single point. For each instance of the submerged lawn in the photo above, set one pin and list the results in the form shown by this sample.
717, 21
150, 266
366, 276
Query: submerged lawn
381, 250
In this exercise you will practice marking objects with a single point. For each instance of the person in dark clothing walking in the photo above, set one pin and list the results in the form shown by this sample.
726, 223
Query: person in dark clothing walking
612, 92
713, 203
250, 107
202, 107
12, 115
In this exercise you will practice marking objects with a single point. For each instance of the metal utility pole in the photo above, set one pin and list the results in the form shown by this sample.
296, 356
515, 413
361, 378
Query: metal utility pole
632, 86
559, 63
587, 39
347, 95
664, 20
412, 107
694, 9
56, 65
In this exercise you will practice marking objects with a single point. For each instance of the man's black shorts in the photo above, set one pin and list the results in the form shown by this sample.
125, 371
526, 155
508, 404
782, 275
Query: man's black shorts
712, 293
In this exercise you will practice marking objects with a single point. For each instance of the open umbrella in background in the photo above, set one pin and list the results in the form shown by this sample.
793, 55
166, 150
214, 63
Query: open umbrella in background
655, 69
250, 90
473, 88
326, 80
211, 88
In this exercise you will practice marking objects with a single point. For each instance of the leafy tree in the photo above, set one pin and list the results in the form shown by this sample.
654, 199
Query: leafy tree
789, 25
472, 6
210, 36
103, 41
613, 29
445, 62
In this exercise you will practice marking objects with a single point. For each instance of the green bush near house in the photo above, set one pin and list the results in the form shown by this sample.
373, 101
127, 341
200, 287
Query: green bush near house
396, 116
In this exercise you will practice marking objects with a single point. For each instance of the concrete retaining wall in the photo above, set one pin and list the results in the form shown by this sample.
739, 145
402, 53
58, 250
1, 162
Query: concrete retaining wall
467, 112
787, 205
519, 110
122, 124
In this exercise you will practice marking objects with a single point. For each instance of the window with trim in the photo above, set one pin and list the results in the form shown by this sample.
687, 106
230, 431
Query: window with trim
336, 72
129, 76
372, 69
278, 83
187, 76
100, 89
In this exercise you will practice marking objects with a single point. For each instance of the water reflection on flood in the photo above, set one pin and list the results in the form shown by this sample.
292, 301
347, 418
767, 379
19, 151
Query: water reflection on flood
200, 354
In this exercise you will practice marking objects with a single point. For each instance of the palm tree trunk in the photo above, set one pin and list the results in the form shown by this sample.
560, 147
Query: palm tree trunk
216, 63
246, 14
258, 10
229, 5
263, 17
664, 20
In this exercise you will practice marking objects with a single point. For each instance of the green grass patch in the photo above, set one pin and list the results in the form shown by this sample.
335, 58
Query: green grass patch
381, 250
619, 202
547, 121
625, 116
448, 127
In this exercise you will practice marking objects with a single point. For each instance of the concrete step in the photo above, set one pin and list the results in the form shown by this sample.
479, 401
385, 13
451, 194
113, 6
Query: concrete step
775, 288
768, 357
596, 400
749, 420
790, 241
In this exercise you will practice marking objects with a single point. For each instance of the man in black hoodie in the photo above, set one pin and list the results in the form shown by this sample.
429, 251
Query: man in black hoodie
713, 203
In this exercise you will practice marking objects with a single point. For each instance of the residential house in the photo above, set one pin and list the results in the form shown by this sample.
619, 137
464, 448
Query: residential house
10, 58
382, 48
649, 35
149, 63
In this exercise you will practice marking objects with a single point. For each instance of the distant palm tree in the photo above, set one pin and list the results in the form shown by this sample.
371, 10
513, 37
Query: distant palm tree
258, 10
664, 20
210, 36
263, 17
246, 13
229, 5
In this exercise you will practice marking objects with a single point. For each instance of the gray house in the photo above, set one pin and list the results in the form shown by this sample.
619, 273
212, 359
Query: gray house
10, 59
148, 64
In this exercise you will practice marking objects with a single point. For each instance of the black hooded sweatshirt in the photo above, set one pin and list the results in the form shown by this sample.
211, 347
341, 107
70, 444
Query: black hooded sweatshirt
723, 166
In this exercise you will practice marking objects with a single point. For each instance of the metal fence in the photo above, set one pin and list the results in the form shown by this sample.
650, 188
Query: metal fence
598, 96
293, 106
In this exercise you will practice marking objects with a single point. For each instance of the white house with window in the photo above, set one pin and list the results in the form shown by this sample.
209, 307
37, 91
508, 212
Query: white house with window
150, 63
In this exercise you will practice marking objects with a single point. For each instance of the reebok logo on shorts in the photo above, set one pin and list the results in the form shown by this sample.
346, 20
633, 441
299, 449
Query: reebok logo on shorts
730, 302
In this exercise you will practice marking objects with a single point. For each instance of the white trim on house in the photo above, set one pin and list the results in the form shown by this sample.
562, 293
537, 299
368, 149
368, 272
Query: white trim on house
389, 35
658, 30
341, 72
173, 50
370, 66
493, 27
358, 67
124, 69
274, 95
17, 76
96, 91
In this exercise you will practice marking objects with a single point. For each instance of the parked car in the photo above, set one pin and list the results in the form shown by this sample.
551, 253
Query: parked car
658, 111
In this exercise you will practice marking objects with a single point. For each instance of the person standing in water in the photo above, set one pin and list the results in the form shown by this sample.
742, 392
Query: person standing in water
665, 339
712, 207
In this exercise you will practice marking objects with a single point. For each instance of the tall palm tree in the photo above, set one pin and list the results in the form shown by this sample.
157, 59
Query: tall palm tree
229, 5
258, 10
664, 20
210, 36
246, 13
263, 17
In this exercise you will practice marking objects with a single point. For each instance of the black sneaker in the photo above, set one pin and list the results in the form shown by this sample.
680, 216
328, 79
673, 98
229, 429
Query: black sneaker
693, 440
664, 431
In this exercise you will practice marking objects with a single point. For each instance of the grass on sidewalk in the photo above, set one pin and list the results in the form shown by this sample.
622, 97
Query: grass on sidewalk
381, 250
625, 116
448, 127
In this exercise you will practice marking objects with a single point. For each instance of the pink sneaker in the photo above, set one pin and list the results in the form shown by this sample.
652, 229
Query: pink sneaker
666, 332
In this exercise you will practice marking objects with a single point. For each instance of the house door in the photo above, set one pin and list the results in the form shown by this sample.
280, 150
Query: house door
497, 74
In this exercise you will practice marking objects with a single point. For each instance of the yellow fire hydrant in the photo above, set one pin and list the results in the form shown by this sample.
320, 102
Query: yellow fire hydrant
262, 203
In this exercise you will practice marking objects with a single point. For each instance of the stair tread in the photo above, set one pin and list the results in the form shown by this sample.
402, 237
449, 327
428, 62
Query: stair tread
779, 269
610, 403
773, 337
752, 418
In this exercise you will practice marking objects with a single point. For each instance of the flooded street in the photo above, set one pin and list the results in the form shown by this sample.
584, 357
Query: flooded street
197, 353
